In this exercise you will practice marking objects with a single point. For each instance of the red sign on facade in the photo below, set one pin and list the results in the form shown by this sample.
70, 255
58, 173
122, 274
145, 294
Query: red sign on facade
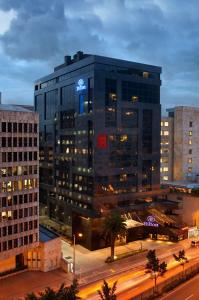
102, 141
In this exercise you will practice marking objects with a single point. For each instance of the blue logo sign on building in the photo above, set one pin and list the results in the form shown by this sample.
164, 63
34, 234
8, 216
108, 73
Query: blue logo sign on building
150, 221
80, 85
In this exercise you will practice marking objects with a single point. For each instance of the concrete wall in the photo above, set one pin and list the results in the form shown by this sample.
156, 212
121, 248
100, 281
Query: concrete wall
7, 264
46, 257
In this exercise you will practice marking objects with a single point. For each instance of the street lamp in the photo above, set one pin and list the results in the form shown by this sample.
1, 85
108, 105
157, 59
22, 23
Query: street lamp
74, 258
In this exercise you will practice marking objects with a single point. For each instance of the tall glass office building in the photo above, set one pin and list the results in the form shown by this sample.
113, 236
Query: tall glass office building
99, 140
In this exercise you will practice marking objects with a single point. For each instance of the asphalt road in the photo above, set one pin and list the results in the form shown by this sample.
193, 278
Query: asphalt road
132, 276
187, 291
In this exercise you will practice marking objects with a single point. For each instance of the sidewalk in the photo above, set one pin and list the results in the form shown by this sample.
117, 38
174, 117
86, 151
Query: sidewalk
17, 286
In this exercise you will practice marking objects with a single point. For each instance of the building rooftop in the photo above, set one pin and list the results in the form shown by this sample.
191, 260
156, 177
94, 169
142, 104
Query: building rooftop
16, 108
46, 235
80, 60
182, 184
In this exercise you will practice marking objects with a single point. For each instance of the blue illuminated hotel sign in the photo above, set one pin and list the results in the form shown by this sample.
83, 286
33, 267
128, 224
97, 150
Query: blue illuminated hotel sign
150, 221
80, 85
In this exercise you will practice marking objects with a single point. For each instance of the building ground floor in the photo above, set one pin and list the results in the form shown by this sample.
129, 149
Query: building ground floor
149, 219
46, 257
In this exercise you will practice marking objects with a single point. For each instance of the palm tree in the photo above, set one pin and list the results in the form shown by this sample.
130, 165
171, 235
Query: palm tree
64, 293
107, 292
114, 226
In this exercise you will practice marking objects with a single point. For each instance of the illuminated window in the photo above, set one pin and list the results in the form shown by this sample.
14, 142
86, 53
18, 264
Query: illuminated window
190, 142
3, 215
162, 123
190, 169
161, 170
9, 186
166, 124
113, 96
165, 169
189, 160
146, 74
123, 138
166, 132
165, 178
190, 132
123, 177
134, 99
3, 172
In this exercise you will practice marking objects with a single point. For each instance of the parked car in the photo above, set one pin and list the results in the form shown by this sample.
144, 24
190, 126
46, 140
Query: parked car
194, 243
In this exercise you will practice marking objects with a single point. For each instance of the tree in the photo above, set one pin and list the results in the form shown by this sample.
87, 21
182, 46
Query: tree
31, 296
114, 226
64, 293
72, 291
107, 292
154, 266
181, 258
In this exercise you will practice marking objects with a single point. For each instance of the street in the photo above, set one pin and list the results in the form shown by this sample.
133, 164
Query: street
129, 272
187, 291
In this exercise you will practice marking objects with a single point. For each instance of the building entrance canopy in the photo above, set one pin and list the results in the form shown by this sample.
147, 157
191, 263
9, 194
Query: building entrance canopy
130, 223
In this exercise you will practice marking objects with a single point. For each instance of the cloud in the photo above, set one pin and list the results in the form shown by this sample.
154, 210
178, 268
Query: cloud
150, 31
6, 18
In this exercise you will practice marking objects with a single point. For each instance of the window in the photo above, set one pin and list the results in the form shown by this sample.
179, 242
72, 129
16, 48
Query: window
9, 127
190, 124
35, 128
190, 151
25, 126
189, 169
189, 160
3, 142
14, 127
165, 178
3, 126
81, 104
166, 133
166, 124
20, 127
190, 132
165, 169
35, 142
190, 142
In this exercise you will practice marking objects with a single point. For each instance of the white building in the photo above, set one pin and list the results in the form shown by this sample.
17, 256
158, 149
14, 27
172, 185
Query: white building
180, 144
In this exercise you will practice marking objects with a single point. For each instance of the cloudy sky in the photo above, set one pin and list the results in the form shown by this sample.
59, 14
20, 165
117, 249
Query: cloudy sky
36, 34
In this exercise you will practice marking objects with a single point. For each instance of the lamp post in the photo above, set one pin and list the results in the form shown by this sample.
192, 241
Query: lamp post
74, 253
74, 256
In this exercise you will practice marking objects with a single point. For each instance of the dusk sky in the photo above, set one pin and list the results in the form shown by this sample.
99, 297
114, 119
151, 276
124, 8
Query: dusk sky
36, 34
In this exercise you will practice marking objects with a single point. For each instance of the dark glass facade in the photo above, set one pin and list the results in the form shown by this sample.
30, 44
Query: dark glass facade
99, 139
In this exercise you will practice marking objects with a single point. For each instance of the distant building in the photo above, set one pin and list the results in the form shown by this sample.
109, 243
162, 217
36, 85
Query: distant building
19, 185
180, 144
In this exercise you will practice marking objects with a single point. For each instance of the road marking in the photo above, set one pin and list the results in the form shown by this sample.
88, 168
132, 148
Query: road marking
179, 287
189, 297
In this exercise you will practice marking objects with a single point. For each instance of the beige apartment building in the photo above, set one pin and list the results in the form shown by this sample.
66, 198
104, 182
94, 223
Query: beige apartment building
180, 144
19, 185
